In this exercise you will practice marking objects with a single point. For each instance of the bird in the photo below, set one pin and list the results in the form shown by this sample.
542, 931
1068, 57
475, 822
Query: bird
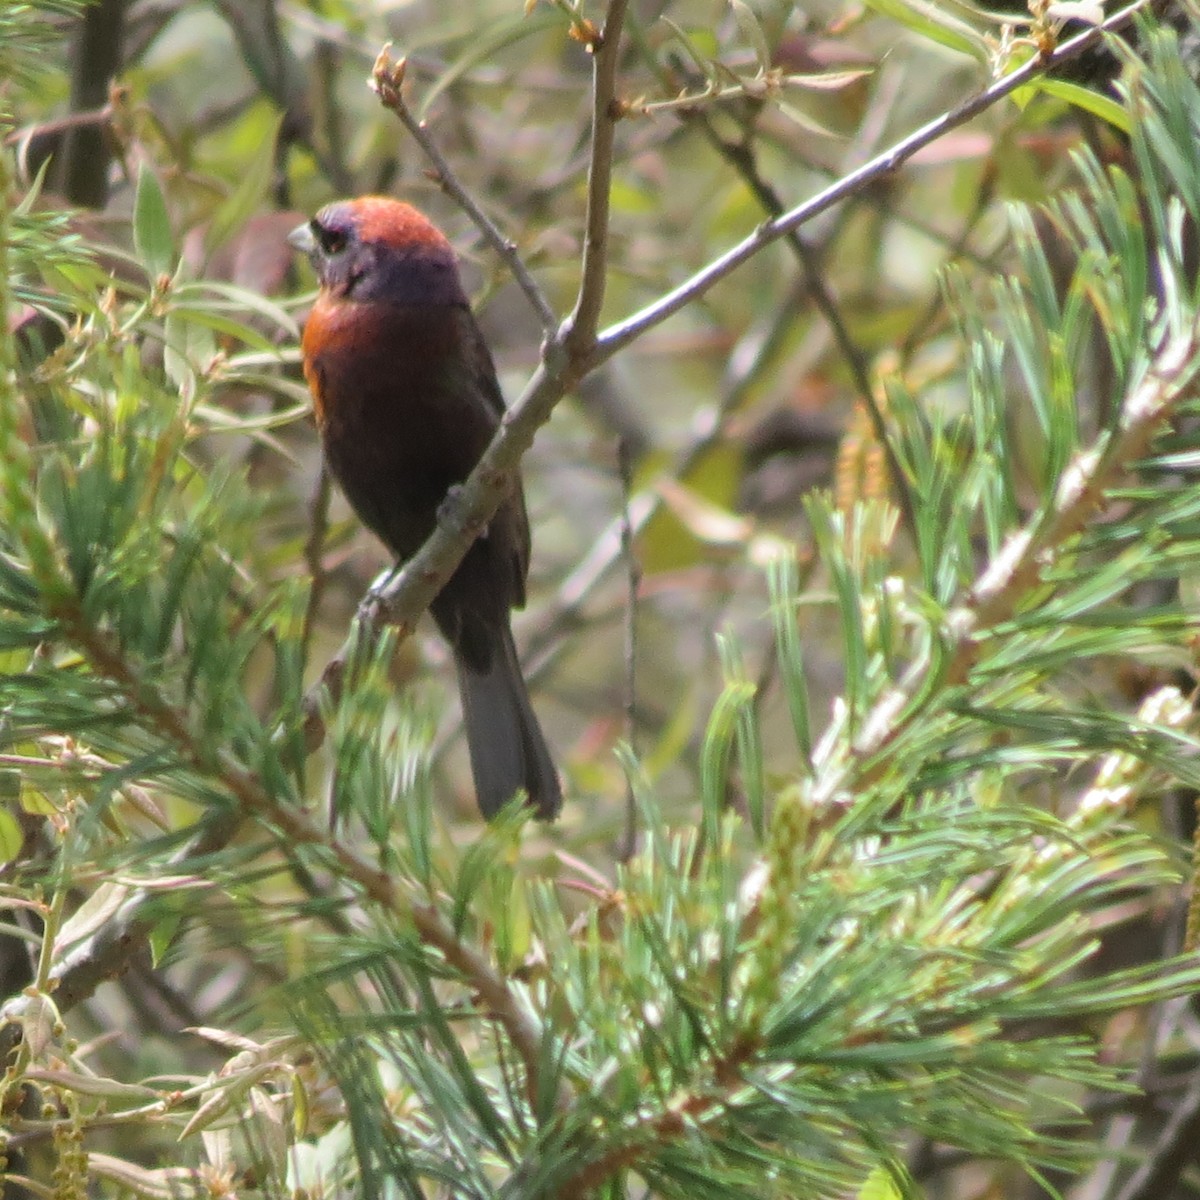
406, 400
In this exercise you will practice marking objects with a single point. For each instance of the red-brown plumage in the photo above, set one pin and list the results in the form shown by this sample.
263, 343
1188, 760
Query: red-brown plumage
382, 219
406, 400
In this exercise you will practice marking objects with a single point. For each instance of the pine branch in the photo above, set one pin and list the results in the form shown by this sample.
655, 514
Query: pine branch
1030, 554
297, 828
892, 946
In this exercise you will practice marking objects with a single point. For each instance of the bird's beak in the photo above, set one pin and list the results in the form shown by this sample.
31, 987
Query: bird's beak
301, 238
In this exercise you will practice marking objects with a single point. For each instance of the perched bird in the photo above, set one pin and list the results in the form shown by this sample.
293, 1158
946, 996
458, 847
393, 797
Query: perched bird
406, 401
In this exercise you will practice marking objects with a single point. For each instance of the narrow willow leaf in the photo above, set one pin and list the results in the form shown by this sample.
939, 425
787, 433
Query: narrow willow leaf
11, 839
251, 190
752, 30
152, 236
1099, 105
484, 44
700, 60
932, 22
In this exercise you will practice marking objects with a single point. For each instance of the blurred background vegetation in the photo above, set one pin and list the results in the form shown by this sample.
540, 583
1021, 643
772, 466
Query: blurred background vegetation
174, 548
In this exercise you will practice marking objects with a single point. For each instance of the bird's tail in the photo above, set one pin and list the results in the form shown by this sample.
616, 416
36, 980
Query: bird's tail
507, 747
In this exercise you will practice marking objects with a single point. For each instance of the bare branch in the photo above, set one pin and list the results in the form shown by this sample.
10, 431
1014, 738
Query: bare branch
1172, 1152
387, 79
314, 547
579, 334
618, 336
633, 584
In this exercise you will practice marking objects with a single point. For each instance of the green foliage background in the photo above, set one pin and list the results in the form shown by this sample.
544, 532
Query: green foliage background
879, 788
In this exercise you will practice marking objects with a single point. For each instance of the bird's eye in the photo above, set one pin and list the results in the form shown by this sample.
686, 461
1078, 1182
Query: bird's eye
331, 240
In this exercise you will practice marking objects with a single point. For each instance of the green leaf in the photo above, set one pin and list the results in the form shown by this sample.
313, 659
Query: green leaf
700, 59
205, 294
1083, 98
752, 30
932, 23
879, 1185
803, 121
246, 199
152, 236
163, 932
11, 840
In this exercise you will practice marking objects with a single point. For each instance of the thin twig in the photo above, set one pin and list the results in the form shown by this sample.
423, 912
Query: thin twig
746, 361
579, 335
387, 79
1173, 1151
59, 125
634, 578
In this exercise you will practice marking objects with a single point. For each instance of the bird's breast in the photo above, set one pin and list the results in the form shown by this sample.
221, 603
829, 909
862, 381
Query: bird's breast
401, 414
384, 364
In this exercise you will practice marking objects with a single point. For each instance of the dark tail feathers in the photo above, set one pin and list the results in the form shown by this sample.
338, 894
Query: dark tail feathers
508, 750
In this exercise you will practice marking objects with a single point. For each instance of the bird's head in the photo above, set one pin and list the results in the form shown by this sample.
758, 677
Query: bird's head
375, 249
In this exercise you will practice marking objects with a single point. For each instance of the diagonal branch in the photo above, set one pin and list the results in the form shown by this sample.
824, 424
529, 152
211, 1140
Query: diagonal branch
78, 974
618, 336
